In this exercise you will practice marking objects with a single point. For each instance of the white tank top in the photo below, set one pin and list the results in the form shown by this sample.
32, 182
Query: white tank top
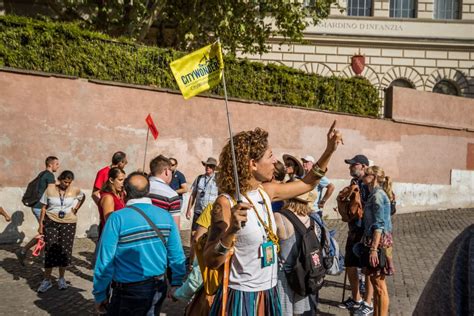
246, 271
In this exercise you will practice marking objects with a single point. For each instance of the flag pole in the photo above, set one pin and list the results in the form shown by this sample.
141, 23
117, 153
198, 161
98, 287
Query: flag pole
146, 147
232, 149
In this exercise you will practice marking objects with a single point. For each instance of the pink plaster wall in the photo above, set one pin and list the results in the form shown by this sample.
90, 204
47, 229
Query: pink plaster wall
432, 108
83, 123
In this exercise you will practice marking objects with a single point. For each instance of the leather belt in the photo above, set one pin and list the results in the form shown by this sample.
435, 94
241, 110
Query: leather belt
118, 285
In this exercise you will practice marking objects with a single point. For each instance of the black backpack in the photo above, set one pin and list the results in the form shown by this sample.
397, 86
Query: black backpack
307, 275
32, 194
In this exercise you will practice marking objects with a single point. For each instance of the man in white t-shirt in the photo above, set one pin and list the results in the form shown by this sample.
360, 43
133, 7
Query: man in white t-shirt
324, 184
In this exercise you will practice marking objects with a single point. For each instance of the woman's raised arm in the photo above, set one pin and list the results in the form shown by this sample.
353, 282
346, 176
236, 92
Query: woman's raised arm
284, 191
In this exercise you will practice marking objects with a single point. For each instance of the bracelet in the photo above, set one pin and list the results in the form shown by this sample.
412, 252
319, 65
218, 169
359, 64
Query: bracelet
318, 172
221, 249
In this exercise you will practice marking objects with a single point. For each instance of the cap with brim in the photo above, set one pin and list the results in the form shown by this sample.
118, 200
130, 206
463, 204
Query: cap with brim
210, 161
358, 159
308, 158
299, 171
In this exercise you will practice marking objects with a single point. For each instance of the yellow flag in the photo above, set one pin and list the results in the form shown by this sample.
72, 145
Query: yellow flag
199, 71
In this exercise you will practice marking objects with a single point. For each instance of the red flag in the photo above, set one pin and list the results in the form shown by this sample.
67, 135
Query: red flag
152, 126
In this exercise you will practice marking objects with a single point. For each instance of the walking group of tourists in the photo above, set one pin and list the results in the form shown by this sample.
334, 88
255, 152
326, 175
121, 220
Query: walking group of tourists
265, 251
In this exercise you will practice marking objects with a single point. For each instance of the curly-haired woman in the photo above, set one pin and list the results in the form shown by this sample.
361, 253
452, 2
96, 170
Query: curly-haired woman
253, 267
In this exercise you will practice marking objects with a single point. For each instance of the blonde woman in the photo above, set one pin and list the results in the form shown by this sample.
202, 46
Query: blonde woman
378, 235
253, 277
291, 302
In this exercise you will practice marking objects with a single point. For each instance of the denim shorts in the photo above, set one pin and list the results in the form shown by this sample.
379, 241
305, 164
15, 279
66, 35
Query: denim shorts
36, 212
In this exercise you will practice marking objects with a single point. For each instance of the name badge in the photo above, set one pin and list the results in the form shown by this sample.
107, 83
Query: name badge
268, 254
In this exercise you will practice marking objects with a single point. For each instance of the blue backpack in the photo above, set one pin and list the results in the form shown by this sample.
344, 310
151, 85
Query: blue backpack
331, 251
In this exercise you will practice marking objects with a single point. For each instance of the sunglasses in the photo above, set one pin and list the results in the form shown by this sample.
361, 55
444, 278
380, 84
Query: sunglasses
210, 166
173, 164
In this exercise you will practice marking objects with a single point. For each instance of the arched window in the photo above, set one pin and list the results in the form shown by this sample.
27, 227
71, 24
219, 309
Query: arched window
446, 9
403, 8
400, 82
359, 7
445, 86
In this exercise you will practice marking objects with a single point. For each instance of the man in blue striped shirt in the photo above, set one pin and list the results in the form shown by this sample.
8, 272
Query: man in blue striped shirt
133, 258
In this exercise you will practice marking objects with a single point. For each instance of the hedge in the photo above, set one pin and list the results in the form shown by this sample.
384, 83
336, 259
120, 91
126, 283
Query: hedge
65, 48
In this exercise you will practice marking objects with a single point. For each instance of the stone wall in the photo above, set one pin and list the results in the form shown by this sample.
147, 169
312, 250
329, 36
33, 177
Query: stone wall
408, 105
84, 122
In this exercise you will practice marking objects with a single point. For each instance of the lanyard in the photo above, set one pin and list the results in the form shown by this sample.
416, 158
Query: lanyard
207, 182
61, 198
268, 228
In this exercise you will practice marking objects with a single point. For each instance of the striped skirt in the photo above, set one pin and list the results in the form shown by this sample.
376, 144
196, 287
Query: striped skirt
263, 303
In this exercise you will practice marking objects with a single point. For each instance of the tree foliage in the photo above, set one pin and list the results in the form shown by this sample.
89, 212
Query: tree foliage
244, 25
66, 49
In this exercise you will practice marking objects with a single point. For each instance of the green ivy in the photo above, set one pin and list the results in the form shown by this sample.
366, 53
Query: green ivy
66, 49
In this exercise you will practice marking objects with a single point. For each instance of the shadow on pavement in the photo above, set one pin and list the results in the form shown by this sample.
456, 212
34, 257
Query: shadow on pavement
76, 262
54, 301
63, 302
328, 302
335, 284
319, 313
11, 234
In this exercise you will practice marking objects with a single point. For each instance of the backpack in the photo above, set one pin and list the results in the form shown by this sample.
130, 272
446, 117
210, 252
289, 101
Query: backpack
335, 255
32, 194
349, 204
333, 258
212, 278
307, 275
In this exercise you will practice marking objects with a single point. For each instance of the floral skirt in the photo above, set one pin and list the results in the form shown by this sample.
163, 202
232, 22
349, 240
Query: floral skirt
262, 303
385, 245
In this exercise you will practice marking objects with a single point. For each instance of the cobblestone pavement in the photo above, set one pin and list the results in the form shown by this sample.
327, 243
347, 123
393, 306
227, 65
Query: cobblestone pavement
420, 240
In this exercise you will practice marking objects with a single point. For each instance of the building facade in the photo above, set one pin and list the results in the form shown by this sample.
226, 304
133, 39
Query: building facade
427, 45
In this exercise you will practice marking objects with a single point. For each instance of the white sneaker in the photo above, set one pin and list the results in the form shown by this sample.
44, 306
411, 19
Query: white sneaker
62, 285
44, 286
